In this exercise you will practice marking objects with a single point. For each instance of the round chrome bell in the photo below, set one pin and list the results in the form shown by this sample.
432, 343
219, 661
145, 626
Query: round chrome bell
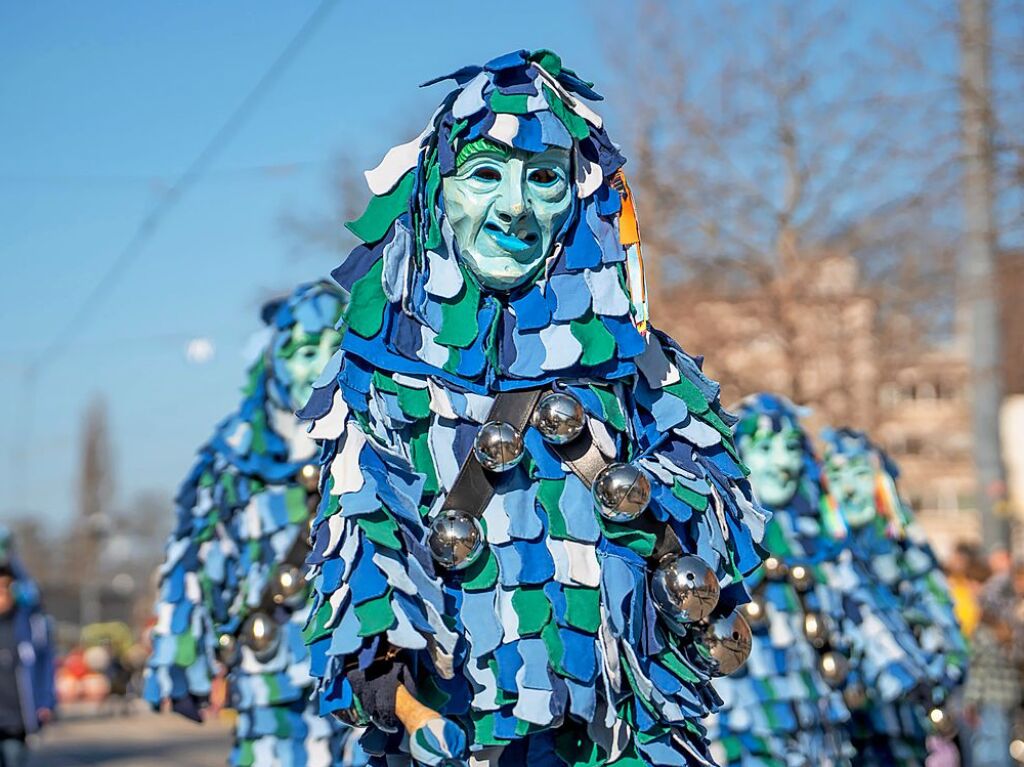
309, 477
834, 668
289, 587
729, 641
498, 446
684, 588
227, 649
261, 635
816, 629
855, 696
455, 539
559, 417
775, 569
801, 577
754, 612
942, 723
621, 492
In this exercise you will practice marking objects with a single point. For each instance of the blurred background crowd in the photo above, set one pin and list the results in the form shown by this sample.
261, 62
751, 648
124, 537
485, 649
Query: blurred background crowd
835, 190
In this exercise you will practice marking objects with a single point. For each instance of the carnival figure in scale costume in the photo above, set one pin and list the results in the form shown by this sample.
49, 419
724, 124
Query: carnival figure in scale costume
534, 524
232, 591
827, 637
786, 707
886, 538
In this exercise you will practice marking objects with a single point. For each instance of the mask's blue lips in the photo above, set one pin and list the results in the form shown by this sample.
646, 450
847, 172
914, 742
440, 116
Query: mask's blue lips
509, 242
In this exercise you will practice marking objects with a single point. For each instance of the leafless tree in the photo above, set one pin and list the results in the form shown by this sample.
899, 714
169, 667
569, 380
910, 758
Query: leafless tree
794, 170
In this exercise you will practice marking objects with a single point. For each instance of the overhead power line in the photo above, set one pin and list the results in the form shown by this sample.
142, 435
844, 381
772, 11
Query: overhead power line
184, 183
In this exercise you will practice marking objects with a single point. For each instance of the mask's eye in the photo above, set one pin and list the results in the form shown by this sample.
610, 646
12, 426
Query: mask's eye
543, 176
486, 173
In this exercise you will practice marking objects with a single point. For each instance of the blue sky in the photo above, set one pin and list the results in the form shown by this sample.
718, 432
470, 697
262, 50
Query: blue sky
103, 103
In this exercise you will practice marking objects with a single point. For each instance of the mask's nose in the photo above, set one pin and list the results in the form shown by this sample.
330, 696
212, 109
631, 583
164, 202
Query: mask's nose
511, 204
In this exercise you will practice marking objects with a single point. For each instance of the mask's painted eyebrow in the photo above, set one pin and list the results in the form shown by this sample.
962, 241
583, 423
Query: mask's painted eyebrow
479, 146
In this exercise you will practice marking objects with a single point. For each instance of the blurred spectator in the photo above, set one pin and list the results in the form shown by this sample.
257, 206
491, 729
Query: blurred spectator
27, 694
993, 691
966, 573
1000, 561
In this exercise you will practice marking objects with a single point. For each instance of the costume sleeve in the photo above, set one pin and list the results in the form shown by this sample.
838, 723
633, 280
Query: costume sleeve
374, 582
193, 585
887, 660
43, 672
929, 608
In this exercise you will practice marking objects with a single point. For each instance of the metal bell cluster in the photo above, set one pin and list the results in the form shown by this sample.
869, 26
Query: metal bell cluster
942, 723
834, 668
621, 492
559, 418
729, 640
309, 477
289, 586
498, 446
261, 634
685, 590
456, 539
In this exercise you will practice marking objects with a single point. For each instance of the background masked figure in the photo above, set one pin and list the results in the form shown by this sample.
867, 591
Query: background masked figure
885, 538
27, 693
232, 591
786, 706
864, 646
546, 610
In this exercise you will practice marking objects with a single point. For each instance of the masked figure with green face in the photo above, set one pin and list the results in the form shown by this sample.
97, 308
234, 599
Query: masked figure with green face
535, 525
885, 537
827, 638
233, 595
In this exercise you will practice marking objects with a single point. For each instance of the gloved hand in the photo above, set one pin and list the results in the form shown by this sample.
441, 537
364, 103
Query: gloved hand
439, 742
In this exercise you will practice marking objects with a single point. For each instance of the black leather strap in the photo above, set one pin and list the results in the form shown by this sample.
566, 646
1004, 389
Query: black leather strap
473, 487
582, 456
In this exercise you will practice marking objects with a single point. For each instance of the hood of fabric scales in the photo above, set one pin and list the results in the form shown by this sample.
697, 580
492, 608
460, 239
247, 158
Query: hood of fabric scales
845, 443
415, 308
765, 413
248, 439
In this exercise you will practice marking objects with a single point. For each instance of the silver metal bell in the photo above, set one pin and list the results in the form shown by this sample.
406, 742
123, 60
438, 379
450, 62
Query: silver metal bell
835, 667
801, 577
729, 641
754, 612
289, 586
942, 723
855, 696
498, 446
455, 539
621, 492
684, 589
816, 629
775, 569
227, 649
309, 477
559, 418
261, 635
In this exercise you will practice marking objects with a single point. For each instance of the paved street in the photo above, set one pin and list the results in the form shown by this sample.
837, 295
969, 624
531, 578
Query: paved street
141, 740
